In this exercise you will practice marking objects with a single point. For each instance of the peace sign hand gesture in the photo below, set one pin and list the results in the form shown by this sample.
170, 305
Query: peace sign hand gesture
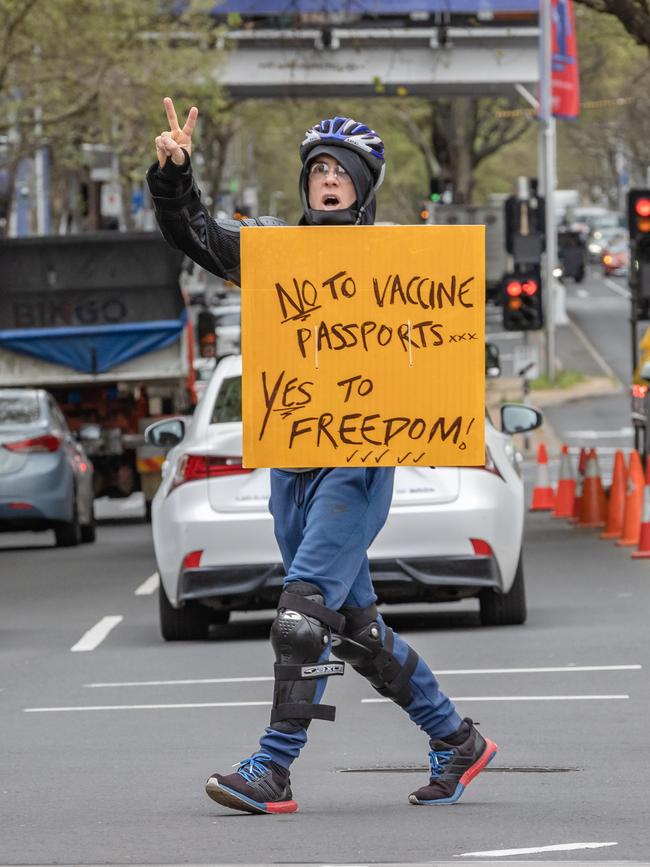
171, 142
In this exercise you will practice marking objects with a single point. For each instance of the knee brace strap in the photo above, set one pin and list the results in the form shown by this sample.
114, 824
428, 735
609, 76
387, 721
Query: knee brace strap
299, 603
375, 660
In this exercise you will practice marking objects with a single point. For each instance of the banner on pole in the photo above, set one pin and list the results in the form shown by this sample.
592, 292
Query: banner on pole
564, 61
363, 346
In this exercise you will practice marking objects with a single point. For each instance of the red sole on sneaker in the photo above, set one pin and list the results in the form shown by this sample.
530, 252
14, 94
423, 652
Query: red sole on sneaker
489, 753
235, 801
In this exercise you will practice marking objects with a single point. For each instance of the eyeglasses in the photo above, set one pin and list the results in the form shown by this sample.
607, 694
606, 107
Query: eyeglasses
322, 170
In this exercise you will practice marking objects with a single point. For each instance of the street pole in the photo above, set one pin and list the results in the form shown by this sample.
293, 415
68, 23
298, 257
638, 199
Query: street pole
548, 143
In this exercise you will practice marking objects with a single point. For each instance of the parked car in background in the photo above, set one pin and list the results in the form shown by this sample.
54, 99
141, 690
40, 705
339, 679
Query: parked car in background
616, 257
452, 532
46, 478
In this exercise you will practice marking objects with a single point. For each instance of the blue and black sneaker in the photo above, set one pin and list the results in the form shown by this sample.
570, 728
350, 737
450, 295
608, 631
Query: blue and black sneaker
259, 785
454, 766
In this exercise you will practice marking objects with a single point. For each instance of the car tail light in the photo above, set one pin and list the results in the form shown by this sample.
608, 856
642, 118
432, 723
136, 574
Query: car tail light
639, 391
20, 507
192, 560
481, 547
191, 468
490, 465
46, 443
608, 259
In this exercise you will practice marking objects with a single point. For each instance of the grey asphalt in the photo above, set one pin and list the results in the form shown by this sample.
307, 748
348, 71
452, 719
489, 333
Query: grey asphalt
126, 786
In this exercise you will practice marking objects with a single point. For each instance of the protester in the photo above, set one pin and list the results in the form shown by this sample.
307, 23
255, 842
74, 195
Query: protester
324, 518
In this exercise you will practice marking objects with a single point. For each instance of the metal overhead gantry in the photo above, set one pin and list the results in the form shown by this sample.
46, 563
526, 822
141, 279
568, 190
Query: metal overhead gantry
431, 48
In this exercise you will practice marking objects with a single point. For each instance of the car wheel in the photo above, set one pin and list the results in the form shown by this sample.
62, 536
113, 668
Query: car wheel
189, 623
505, 609
68, 533
580, 276
219, 618
89, 532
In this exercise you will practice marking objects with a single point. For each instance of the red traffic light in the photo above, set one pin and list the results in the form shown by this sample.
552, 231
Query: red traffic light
513, 288
642, 207
529, 287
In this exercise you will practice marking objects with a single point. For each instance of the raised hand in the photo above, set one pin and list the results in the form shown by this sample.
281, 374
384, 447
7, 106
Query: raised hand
170, 142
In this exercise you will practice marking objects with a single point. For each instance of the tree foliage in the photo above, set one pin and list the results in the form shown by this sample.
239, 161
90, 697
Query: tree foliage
94, 72
634, 15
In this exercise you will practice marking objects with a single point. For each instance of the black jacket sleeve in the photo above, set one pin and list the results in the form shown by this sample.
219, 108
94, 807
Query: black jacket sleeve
187, 225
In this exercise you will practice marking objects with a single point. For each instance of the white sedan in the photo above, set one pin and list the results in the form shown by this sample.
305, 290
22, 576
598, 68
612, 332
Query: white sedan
452, 532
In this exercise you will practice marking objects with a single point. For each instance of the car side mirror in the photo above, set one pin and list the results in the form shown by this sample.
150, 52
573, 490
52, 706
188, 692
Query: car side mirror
492, 361
165, 434
517, 418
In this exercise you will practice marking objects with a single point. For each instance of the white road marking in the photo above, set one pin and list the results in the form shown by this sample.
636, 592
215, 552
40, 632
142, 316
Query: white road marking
517, 698
582, 293
183, 682
149, 586
614, 287
532, 850
596, 355
544, 670
600, 434
96, 634
148, 706
268, 703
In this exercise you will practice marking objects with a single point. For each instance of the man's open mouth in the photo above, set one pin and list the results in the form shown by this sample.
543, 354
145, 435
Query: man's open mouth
330, 201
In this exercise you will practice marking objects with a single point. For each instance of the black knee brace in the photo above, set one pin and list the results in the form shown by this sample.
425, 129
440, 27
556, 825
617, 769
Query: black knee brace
300, 632
361, 646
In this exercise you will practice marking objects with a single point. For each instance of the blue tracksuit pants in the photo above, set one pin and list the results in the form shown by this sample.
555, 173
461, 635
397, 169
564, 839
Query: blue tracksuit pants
325, 521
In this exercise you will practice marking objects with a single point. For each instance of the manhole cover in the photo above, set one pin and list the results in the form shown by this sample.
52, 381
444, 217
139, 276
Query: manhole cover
413, 768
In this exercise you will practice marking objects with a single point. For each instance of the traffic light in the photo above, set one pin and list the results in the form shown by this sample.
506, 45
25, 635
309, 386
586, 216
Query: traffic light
435, 190
522, 301
525, 228
425, 213
638, 217
638, 213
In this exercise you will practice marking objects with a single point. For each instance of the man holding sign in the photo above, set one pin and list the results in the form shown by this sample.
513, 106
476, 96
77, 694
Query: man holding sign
324, 519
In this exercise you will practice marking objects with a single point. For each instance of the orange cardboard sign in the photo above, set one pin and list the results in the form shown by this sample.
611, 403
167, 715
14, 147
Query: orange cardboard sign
363, 346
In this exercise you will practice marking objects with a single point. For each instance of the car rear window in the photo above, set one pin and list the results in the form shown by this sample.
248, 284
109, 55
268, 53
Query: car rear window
19, 409
228, 319
227, 405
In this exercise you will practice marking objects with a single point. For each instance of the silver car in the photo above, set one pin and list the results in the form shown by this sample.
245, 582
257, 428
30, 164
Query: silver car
46, 478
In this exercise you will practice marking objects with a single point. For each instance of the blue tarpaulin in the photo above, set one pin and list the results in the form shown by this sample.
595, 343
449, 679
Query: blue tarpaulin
95, 349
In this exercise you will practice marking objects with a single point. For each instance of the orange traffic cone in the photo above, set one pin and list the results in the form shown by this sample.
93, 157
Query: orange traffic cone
580, 478
543, 495
643, 551
566, 487
633, 502
594, 505
616, 504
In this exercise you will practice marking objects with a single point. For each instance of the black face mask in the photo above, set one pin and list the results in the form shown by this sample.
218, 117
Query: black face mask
356, 214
